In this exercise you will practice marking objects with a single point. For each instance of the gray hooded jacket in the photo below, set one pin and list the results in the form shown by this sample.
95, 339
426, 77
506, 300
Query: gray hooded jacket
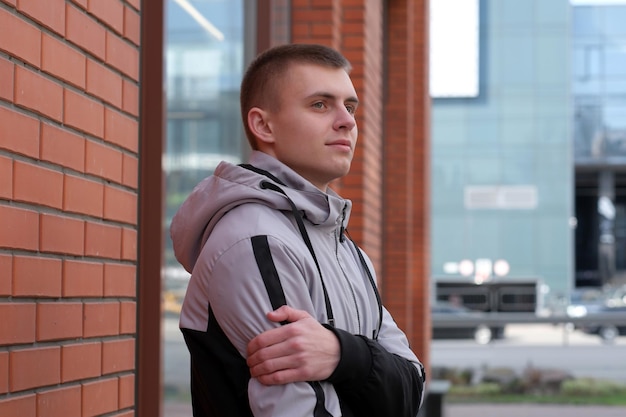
238, 235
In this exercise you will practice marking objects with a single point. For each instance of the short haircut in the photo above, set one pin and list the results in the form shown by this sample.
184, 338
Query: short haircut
260, 82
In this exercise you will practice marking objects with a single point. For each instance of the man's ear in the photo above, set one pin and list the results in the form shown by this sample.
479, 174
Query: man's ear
258, 122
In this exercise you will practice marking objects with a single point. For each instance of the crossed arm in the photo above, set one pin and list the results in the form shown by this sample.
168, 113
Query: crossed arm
369, 379
302, 350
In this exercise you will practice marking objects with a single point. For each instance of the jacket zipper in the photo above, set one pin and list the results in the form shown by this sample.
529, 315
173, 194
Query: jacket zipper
339, 239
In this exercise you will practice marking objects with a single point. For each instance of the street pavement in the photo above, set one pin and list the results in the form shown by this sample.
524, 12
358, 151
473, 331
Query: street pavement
531, 410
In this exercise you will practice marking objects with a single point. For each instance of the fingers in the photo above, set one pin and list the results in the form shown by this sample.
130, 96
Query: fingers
287, 314
300, 351
273, 362
273, 338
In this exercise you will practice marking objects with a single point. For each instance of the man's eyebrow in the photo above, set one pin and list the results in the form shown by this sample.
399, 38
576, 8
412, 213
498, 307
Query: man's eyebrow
351, 99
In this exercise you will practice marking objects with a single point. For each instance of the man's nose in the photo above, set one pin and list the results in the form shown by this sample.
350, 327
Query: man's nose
345, 119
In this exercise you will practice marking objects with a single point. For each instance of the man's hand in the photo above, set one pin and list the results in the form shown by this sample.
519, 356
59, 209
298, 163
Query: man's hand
302, 350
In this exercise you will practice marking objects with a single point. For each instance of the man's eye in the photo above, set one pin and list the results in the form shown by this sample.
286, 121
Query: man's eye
351, 109
318, 105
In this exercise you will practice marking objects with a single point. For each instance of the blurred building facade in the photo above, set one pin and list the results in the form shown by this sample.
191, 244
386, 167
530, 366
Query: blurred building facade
528, 168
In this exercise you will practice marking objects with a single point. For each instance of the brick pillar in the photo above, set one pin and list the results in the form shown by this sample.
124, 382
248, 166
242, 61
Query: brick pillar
69, 82
407, 178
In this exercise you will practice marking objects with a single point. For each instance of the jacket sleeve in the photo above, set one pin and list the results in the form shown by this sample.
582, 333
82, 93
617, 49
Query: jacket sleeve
372, 379
240, 301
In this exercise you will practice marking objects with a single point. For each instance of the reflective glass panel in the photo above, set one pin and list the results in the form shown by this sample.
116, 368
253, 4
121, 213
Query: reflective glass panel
204, 58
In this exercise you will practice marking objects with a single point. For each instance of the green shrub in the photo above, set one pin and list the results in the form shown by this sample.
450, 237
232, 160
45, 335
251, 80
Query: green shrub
592, 387
482, 389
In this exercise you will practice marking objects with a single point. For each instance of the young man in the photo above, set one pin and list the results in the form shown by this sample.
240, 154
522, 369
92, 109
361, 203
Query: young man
282, 317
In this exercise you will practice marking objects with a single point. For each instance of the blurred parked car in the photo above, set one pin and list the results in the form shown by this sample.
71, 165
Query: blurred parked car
481, 333
607, 331
585, 301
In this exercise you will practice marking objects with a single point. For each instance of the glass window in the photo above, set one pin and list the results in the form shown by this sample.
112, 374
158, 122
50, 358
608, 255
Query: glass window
614, 20
552, 60
587, 129
587, 62
514, 13
587, 21
204, 53
518, 167
615, 60
517, 66
614, 120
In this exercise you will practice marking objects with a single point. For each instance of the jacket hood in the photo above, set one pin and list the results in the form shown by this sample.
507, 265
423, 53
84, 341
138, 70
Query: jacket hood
232, 185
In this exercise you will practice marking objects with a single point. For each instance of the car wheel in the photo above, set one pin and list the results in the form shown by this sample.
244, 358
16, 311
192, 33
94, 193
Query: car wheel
608, 333
483, 335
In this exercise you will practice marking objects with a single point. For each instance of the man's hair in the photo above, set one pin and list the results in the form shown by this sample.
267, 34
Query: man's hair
261, 82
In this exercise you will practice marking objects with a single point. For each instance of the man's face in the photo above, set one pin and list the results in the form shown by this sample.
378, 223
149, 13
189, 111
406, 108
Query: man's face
313, 127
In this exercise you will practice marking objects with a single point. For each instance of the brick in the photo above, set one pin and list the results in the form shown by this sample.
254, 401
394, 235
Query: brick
120, 205
132, 25
20, 38
38, 185
84, 196
103, 240
25, 405
120, 280
19, 133
84, 31
6, 75
118, 356
6, 275
129, 244
6, 178
38, 93
62, 147
17, 324
101, 319
103, 161
126, 391
61, 402
122, 55
100, 397
62, 234
59, 321
104, 83
81, 3
50, 13
36, 276
81, 361
130, 171
135, 4
130, 97
82, 279
128, 317
4, 373
34, 368
110, 12
62, 61
20, 228
121, 130
83, 113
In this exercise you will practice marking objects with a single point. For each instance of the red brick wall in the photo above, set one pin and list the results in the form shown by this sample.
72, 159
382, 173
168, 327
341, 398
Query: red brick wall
389, 179
407, 172
69, 93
